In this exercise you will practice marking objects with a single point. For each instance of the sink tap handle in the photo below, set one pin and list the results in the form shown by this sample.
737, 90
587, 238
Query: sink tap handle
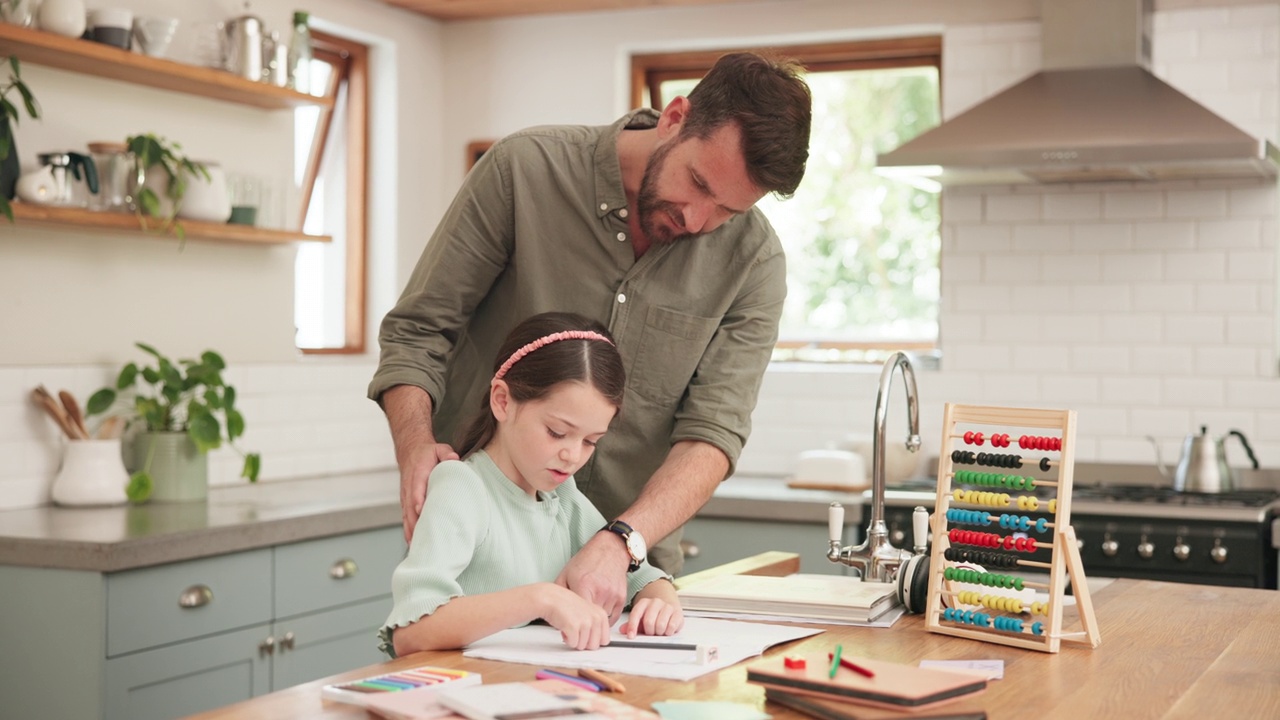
835, 523
920, 529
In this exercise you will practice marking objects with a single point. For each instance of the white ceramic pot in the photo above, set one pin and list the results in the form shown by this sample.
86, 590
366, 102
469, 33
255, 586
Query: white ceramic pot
92, 474
206, 200
62, 17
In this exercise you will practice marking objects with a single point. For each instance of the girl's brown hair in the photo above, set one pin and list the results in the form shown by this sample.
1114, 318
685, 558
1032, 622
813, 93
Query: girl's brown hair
594, 362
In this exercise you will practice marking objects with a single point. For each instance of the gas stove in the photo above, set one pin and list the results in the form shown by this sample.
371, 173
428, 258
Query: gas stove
1154, 533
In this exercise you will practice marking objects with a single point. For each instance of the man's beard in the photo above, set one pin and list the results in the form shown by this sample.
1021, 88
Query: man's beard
651, 207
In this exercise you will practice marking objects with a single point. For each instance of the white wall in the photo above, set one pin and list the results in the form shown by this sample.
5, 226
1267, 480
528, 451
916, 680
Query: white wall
1150, 309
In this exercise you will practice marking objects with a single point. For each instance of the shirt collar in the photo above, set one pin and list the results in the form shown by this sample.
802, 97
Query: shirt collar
610, 195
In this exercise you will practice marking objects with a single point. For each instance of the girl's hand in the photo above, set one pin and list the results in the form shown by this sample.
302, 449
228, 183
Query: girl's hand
654, 616
583, 625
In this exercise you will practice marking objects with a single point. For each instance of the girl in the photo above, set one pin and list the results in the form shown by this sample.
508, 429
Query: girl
499, 525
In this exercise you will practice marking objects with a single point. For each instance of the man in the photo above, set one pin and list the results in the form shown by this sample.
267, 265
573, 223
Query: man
649, 226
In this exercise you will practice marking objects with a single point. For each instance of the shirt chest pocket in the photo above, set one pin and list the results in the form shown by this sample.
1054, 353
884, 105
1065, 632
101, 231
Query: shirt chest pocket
670, 348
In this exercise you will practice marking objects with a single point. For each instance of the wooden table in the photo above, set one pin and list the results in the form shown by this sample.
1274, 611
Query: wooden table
1168, 650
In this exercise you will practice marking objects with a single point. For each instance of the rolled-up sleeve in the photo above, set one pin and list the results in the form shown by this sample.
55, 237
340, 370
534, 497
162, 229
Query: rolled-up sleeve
724, 388
470, 248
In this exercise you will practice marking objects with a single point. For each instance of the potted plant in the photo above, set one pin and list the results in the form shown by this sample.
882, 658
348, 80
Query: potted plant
180, 411
162, 165
9, 115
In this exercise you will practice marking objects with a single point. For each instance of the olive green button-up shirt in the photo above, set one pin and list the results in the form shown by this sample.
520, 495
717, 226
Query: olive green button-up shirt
540, 224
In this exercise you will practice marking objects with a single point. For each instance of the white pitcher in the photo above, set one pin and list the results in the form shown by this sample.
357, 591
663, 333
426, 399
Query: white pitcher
92, 474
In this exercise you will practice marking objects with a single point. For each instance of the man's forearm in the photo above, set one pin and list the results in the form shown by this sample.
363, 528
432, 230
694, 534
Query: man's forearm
678, 489
408, 410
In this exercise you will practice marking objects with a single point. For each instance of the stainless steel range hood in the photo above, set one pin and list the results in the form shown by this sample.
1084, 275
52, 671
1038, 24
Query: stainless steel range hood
1095, 113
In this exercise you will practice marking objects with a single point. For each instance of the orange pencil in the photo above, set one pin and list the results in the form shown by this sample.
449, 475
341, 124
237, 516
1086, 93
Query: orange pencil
598, 677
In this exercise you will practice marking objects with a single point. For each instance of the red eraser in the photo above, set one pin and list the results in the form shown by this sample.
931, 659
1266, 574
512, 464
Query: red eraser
793, 662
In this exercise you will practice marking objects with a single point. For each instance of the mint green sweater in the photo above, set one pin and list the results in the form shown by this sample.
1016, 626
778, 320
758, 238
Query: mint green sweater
479, 533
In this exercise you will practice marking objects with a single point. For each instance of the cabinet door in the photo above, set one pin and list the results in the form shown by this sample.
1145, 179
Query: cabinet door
320, 574
188, 677
326, 643
721, 540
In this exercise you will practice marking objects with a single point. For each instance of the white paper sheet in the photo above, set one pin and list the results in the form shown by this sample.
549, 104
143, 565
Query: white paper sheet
884, 621
736, 641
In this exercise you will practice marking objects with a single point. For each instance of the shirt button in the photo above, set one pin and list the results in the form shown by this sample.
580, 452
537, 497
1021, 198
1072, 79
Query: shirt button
622, 237
622, 213
604, 206
622, 297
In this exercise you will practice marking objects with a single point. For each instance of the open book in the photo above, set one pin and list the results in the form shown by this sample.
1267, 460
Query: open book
820, 597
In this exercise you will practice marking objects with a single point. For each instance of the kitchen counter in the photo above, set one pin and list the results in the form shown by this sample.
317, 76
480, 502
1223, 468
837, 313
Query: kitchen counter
234, 518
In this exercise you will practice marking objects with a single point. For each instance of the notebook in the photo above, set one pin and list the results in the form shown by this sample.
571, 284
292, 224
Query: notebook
894, 685
819, 597
837, 710
589, 705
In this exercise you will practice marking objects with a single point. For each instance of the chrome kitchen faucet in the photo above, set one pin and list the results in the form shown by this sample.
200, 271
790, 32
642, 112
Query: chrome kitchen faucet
876, 559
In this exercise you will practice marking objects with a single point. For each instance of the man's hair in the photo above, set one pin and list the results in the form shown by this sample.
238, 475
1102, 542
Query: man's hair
594, 362
771, 104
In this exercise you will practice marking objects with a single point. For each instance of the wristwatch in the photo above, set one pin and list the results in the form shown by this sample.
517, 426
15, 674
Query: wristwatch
633, 540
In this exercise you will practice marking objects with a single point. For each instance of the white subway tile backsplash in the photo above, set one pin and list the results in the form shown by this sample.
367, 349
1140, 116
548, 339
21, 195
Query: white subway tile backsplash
1195, 329
1077, 206
1041, 299
982, 298
1070, 390
1254, 330
1169, 421
1242, 233
1102, 421
1072, 269
1162, 236
961, 208
1253, 202
1231, 43
1129, 329
1133, 205
1012, 208
1062, 327
1041, 238
1198, 392
983, 238
1127, 390
1101, 298
1102, 237
1164, 297
1226, 298
1133, 267
1204, 265
1000, 268
1163, 360
980, 357
1196, 204
1041, 357
1225, 361
1246, 265
1099, 359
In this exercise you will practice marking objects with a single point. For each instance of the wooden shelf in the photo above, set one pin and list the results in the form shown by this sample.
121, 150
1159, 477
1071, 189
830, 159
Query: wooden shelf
72, 218
106, 61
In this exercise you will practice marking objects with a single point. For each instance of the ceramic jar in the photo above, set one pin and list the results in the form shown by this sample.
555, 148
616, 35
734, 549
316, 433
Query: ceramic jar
92, 474
206, 200
62, 17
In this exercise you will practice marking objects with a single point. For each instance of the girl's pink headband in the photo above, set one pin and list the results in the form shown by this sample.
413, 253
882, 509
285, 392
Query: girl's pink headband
547, 340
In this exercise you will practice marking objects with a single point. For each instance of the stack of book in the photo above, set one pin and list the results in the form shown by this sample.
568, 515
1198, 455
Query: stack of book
816, 597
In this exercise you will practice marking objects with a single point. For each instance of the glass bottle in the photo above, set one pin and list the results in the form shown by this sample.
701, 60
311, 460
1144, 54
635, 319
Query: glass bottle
300, 53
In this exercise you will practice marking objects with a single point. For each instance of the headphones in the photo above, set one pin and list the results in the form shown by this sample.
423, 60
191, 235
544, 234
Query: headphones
913, 583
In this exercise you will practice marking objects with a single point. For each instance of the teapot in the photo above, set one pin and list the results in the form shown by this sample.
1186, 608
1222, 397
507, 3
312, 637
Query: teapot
1203, 466
50, 184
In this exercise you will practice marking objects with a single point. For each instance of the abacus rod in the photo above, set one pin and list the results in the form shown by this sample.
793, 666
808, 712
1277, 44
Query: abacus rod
1035, 563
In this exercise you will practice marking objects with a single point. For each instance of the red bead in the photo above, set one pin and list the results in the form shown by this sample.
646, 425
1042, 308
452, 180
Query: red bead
968, 438
978, 438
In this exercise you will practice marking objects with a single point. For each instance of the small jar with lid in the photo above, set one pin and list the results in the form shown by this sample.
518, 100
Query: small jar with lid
117, 177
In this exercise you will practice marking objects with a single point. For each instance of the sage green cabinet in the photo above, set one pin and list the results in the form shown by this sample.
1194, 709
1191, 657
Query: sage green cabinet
723, 540
172, 640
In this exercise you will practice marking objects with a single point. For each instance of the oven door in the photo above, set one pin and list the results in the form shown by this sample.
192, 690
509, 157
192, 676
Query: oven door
1171, 550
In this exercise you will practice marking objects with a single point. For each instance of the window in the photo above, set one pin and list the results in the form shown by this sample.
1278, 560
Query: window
331, 146
862, 249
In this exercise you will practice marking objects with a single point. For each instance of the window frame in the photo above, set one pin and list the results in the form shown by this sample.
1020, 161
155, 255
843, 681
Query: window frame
350, 60
650, 70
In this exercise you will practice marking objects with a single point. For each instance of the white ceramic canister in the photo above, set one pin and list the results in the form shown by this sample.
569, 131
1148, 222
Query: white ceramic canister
92, 473
62, 17
207, 200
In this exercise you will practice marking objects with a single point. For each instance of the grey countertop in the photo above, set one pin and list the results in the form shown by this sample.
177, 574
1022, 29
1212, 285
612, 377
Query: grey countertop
234, 518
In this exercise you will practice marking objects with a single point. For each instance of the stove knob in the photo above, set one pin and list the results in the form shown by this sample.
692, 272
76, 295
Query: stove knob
1146, 549
1181, 550
1110, 547
1218, 553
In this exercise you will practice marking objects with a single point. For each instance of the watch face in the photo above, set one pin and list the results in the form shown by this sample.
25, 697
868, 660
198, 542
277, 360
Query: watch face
635, 546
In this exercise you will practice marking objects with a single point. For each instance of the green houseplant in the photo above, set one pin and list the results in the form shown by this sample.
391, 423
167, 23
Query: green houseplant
185, 401
9, 115
155, 154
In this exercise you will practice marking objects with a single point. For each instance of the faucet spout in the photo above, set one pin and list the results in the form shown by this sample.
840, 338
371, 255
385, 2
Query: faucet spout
876, 559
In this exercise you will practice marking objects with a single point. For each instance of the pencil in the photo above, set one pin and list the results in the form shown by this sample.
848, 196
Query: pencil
846, 662
600, 678
650, 645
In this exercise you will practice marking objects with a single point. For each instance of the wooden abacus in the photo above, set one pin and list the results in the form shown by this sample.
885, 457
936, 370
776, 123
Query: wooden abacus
964, 495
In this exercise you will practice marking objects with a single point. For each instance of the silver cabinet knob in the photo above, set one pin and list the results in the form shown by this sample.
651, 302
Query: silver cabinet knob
267, 647
1218, 553
286, 642
195, 596
689, 549
343, 569
1146, 549
1181, 550
1110, 547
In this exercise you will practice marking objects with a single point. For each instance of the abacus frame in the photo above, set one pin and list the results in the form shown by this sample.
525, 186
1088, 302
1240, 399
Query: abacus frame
1065, 553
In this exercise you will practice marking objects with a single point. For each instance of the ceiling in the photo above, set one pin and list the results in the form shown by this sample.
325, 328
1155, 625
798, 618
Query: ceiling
480, 9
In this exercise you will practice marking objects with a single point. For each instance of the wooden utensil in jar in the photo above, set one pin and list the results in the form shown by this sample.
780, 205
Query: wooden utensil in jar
55, 410
73, 413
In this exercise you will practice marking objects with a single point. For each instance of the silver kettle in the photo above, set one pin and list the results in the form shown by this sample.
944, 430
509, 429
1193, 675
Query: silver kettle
1203, 466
